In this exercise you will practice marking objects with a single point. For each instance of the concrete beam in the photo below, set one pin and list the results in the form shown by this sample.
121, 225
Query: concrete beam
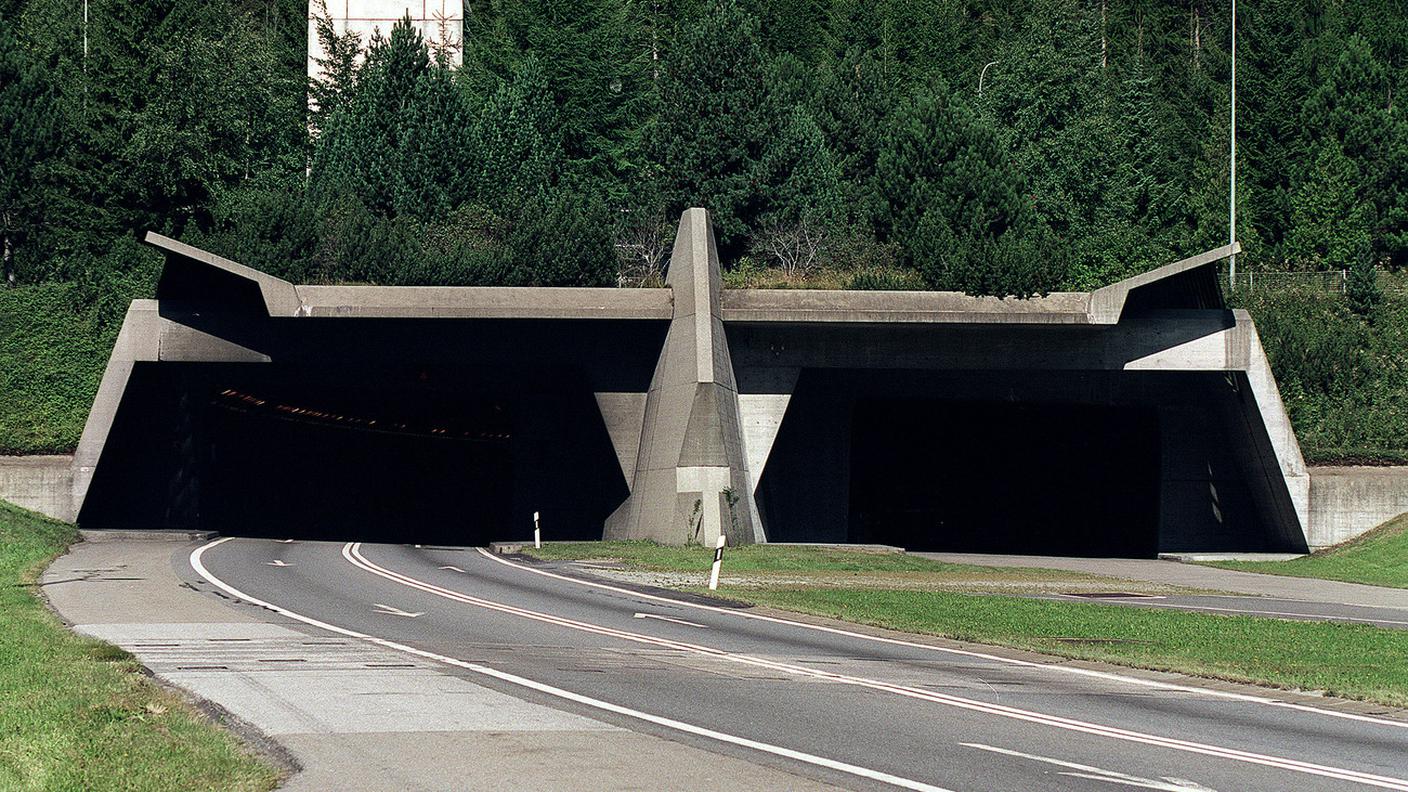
484, 302
690, 480
899, 307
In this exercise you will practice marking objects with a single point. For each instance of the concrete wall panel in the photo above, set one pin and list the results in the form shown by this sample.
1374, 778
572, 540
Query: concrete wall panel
1347, 501
39, 483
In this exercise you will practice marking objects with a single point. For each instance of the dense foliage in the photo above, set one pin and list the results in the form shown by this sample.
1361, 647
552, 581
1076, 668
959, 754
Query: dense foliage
997, 148
1344, 380
1010, 147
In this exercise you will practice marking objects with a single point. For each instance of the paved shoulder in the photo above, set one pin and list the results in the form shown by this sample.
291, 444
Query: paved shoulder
353, 715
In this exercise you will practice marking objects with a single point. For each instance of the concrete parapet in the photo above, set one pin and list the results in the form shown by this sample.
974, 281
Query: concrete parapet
39, 483
1347, 501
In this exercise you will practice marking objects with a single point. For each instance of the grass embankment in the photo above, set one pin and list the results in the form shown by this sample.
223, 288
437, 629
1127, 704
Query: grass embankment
1351, 661
52, 354
1378, 558
78, 714
1343, 377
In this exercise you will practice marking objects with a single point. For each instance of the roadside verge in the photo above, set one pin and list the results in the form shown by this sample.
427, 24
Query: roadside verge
1347, 661
81, 714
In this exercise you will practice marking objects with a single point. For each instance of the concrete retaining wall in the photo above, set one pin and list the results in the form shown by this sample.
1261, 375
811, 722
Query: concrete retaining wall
1347, 501
39, 483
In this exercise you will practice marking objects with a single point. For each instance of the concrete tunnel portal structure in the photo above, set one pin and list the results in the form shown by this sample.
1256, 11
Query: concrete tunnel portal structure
1131, 420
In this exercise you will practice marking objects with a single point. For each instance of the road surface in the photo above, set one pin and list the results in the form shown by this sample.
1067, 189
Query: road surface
839, 706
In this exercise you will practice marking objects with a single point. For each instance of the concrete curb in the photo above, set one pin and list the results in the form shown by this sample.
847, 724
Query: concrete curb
146, 536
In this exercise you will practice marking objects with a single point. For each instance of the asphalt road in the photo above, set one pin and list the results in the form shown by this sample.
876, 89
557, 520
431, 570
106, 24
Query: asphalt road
842, 707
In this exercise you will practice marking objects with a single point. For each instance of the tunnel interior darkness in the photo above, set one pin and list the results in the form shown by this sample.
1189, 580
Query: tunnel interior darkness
994, 477
404, 455
1023, 462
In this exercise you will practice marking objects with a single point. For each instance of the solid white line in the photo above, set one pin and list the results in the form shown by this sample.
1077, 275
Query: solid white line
1048, 667
352, 552
1096, 773
605, 706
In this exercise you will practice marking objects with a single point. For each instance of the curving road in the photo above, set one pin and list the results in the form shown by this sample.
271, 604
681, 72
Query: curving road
856, 710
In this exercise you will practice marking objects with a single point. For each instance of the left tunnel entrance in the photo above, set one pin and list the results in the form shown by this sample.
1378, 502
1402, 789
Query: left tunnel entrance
402, 455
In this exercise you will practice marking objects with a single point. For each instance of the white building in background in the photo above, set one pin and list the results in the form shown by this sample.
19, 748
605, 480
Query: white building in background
439, 21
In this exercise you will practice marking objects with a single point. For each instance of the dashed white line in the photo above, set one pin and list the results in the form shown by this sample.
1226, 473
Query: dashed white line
566, 695
1045, 667
1098, 773
658, 617
352, 552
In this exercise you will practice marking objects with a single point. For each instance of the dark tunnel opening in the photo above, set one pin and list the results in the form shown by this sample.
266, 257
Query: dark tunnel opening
446, 457
993, 477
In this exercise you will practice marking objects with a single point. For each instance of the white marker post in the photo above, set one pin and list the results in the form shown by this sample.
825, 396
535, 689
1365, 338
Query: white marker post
718, 562
537, 533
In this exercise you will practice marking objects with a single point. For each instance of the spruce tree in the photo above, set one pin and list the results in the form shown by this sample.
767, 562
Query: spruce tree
716, 116
29, 139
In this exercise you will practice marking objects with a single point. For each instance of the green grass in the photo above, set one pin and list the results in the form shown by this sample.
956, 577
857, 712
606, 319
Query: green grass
1351, 661
78, 714
1378, 558
749, 558
764, 565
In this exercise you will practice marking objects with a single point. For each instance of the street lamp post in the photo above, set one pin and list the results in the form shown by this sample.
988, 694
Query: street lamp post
1232, 199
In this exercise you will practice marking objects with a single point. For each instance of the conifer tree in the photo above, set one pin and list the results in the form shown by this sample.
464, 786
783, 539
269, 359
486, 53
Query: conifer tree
716, 116
29, 138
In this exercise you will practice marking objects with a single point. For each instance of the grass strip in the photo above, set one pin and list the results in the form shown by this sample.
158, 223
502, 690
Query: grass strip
767, 558
1378, 558
1349, 661
79, 714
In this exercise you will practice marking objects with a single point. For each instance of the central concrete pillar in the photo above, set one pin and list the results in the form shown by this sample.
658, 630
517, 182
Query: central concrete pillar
691, 479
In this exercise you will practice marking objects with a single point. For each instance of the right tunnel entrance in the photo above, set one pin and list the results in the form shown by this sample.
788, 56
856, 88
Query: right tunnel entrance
1000, 477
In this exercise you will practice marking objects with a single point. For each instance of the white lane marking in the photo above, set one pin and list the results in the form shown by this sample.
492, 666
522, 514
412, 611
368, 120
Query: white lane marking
1248, 612
390, 611
1049, 667
1099, 773
567, 695
453, 568
352, 552
277, 563
669, 619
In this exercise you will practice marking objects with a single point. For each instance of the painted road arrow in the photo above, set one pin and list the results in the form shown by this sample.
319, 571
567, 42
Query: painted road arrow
390, 611
278, 563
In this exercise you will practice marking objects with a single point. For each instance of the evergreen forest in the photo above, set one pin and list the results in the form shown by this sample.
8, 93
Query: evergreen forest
1006, 147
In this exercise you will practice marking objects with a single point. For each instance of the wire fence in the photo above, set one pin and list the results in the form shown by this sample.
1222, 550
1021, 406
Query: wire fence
1252, 279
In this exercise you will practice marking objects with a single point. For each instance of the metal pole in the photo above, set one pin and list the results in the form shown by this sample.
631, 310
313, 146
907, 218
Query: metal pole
1232, 201
983, 74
